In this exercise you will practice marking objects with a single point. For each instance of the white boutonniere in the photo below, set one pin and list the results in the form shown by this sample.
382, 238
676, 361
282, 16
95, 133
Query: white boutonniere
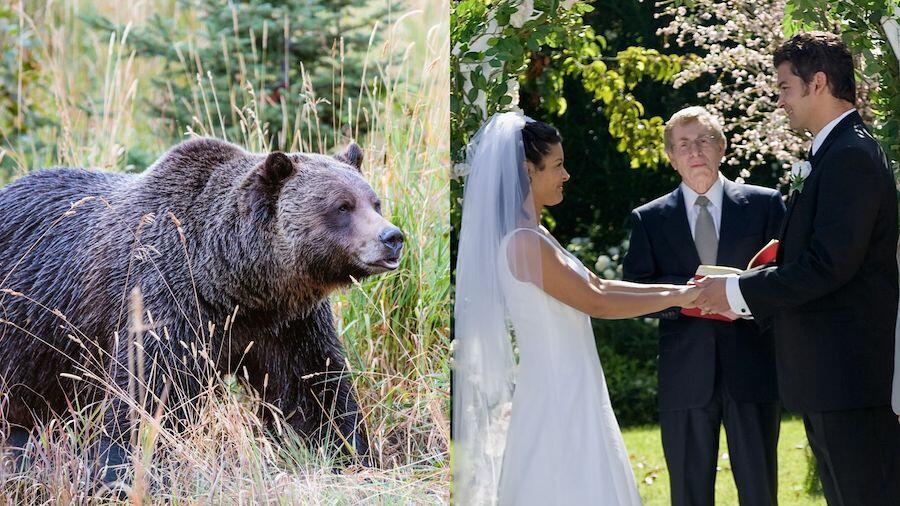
799, 172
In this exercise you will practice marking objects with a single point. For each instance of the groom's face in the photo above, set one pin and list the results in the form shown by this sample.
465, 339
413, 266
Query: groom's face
794, 97
695, 154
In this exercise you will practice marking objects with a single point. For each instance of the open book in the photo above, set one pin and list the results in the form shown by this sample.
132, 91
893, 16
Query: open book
762, 257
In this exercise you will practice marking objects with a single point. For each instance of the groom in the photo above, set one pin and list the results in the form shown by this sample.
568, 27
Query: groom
832, 293
710, 372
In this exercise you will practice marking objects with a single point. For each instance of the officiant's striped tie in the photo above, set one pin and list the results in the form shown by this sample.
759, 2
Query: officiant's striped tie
705, 233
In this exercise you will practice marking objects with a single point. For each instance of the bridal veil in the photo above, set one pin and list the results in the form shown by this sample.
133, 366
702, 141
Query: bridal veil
496, 202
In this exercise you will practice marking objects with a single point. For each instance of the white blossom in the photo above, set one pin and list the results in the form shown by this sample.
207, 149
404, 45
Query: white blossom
522, 14
602, 264
737, 39
461, 169
512, 89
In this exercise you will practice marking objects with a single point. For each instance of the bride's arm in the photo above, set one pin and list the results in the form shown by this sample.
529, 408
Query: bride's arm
605, 299
627, 286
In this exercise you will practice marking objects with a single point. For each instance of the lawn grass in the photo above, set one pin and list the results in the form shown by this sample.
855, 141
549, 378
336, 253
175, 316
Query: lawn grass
646, 454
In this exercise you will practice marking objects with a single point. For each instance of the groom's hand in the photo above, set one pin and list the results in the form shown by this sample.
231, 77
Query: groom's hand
712, 298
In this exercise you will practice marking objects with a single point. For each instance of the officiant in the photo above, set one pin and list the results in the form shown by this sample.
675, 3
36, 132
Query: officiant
711, 372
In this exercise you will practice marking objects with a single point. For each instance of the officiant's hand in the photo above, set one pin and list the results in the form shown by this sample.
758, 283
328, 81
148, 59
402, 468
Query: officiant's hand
712, 298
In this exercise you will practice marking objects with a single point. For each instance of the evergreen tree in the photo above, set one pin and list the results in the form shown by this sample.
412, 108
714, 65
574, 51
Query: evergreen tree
287, 75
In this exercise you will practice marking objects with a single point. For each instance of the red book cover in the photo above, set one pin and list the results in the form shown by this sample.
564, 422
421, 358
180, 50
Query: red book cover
762, 257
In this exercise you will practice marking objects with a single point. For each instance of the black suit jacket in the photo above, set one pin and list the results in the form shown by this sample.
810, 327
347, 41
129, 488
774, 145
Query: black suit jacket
833, 293
662, 250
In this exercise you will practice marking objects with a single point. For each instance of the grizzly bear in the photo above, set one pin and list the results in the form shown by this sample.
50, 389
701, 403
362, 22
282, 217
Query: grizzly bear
210, 234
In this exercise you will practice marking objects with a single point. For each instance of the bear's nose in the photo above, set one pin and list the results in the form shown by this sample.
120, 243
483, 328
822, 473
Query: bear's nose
392, 237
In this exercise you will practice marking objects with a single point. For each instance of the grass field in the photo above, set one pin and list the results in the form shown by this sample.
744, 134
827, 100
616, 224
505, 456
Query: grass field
645, 449
395, 327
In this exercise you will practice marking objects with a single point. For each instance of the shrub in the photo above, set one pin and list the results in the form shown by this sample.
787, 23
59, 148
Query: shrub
628, 351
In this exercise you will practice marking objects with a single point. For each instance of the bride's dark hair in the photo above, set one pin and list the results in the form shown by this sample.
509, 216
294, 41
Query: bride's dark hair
537, 138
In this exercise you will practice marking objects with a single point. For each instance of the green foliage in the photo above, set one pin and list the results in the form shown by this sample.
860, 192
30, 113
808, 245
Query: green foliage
16, 43
638, 137
548, 54
20, 114
291, 72
859, 24
555, 44
628, 351
607, 94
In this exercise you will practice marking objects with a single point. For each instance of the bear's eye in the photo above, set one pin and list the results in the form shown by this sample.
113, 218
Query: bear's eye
377, 206
345, 208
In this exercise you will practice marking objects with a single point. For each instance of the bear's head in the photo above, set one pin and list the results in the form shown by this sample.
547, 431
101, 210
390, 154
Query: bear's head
324, 219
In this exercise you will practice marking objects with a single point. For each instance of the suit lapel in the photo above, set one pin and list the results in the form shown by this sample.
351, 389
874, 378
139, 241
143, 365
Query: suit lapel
852, 120
792, 199
849, 121
733, 222
678, 231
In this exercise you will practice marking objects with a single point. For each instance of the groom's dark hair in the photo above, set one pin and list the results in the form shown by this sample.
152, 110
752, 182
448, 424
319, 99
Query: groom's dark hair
811, 52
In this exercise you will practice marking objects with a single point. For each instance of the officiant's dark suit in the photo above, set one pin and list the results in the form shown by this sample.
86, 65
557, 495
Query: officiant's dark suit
711, 372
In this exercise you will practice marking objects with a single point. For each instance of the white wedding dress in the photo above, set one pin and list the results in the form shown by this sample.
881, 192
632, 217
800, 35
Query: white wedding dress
563, 444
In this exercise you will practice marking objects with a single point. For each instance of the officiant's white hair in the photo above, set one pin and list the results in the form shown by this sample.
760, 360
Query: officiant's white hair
689, 114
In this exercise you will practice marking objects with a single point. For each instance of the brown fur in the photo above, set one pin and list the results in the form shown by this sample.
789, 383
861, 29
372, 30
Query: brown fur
208, 228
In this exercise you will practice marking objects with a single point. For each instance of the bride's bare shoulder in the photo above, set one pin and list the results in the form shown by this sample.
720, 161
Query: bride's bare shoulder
526, 239
526, 251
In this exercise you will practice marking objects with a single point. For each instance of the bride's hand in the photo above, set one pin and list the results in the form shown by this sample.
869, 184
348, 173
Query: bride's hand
686, 295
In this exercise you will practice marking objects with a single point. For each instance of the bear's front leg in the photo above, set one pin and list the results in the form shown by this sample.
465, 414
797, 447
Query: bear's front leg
312, 385
164, 378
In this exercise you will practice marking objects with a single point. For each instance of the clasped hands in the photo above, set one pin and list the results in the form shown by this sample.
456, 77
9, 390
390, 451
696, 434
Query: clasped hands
710, 295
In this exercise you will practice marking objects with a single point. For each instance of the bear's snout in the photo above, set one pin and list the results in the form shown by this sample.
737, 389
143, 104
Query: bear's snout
381, 253
392, 238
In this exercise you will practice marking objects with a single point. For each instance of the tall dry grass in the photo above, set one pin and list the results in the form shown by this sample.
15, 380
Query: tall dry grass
395, 327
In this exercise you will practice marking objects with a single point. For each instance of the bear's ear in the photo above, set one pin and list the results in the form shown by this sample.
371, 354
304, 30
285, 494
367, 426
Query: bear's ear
265, 184
276, 169
352, 155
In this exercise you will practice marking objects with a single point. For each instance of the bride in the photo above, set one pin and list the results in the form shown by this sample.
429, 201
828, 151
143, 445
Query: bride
555, 440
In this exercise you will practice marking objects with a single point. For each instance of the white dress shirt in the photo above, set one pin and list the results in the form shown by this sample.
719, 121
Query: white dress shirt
715, 194
732, 284
823, 133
